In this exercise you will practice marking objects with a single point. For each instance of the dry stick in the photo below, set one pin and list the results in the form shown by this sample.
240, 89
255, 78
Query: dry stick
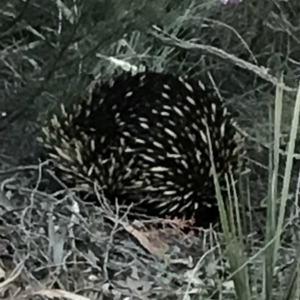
260, 71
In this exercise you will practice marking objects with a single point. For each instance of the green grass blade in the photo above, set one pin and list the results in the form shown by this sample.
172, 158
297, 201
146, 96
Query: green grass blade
272, 196
287, 175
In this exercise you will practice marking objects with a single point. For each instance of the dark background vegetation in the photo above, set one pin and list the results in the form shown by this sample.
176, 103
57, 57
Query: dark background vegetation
48, 58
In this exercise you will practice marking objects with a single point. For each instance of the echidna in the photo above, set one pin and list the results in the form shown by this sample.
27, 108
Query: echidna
143, 139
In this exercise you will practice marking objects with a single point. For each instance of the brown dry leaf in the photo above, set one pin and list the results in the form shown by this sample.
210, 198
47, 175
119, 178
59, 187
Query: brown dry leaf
149, 240
52, 293
179, 224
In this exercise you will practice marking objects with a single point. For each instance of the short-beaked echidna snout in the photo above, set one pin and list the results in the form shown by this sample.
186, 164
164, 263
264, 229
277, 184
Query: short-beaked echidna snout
143, 139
